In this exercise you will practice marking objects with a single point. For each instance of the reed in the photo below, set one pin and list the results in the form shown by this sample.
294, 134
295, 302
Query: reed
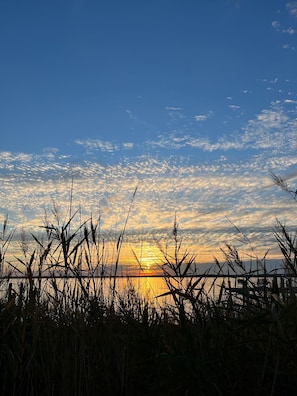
76, 336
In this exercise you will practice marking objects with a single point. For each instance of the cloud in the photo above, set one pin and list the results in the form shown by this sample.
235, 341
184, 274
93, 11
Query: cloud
289, 31
272, 118
288, 46
131, 116
128, 146
206, 145
292, 8
204, 194
290, 101
175, 113
94, 145
8, 157
234, 107
274, 128
276, 25
173, 108
201, 117
178, 142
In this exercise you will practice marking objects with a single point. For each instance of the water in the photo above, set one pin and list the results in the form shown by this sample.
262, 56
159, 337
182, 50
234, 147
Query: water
146, 288
151, 289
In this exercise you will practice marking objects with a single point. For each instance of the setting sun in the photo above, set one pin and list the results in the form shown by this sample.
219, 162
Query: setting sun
146, 256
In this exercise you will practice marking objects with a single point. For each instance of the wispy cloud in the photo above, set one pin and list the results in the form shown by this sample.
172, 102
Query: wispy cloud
221, 144
276, 25
204, 196
201, 117
173, 108
286, 30
175, 113
8, 157
289, 31
105, 146
128, 146
272, 128
292, 8
234, 107
290, 101
270, 119
130, 114
288, 47
94, 144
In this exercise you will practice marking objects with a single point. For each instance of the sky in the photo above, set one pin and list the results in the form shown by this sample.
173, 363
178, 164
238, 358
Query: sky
192, 102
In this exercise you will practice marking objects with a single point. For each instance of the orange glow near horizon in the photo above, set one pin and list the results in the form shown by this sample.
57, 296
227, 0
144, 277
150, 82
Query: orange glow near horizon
144, 258
139, 254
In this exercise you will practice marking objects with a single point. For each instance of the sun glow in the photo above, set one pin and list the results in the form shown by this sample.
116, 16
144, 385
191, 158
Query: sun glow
147, 257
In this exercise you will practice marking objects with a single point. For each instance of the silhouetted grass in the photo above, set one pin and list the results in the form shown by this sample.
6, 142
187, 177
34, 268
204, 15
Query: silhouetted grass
74, 336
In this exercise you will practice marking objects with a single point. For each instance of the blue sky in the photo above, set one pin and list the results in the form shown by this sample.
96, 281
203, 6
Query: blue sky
193, 101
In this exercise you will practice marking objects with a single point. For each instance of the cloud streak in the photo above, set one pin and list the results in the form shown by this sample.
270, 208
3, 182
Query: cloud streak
106, 146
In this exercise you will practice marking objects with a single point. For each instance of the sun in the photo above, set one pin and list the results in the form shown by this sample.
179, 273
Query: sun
146, 256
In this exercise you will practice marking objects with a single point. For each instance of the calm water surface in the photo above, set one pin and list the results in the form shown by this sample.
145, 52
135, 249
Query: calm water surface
147, 288
127, 289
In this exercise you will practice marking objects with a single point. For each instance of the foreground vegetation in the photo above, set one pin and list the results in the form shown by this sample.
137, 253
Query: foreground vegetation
75, 337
